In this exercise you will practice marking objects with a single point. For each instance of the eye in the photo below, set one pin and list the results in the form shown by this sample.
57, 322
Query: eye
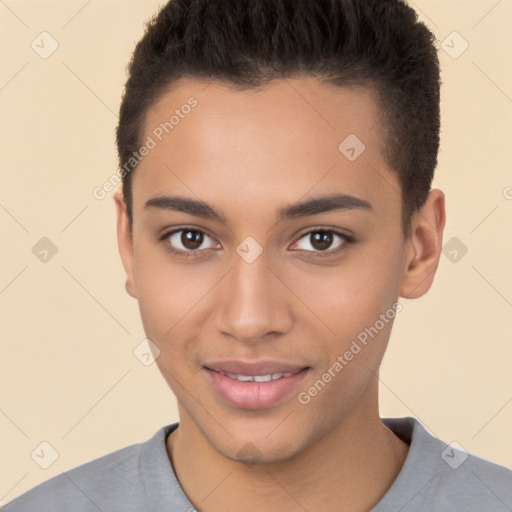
191, 242
322, 240
187, 241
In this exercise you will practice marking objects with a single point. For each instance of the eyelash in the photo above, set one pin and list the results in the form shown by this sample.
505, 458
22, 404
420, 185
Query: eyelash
346, 239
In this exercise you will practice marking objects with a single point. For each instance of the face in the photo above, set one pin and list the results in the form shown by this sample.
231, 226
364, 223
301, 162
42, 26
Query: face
263, 249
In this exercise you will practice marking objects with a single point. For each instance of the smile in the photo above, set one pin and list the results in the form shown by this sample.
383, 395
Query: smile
257, 391
257, 378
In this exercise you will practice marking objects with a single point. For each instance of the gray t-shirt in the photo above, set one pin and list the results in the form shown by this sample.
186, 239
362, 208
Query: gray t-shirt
435, 477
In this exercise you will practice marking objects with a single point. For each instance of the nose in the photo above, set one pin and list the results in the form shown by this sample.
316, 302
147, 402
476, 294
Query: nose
253, 303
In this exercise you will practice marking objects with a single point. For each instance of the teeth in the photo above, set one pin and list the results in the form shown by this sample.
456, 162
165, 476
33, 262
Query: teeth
242, 378
262, 378
257, 378
279, 375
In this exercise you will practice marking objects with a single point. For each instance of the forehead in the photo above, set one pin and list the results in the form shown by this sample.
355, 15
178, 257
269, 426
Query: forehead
280, 141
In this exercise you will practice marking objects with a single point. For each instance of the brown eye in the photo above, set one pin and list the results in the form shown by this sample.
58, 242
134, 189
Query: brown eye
323, 241
187, 241
191, 239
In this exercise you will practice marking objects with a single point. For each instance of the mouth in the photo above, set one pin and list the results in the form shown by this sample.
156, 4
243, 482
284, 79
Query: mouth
256, 378
253, 385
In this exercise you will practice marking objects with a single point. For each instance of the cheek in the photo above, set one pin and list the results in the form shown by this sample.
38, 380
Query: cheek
343, 300
161, 292
172, 300
351, 357
356, 306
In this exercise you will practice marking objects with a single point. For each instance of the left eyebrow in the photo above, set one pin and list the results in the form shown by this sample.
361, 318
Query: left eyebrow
313, 206
321, 205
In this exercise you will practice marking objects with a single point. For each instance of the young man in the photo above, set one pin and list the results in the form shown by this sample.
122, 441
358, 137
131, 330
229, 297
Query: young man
277, 159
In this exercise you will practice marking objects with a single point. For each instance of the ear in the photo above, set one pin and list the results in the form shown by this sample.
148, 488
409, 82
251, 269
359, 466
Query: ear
124, 240
424, 246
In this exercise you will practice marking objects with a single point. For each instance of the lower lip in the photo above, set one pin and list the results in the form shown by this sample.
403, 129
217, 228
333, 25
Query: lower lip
253, 395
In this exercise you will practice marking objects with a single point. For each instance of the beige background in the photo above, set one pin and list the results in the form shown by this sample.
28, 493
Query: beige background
68, 373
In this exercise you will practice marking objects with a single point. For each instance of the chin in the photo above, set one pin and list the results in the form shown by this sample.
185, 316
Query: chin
251, 449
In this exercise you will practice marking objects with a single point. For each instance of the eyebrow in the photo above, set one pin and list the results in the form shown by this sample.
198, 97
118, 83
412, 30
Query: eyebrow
313, 206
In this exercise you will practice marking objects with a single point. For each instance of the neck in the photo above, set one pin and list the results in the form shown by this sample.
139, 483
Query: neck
353, 464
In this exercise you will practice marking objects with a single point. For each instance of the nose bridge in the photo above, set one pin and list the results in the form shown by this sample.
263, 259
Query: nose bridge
252, 302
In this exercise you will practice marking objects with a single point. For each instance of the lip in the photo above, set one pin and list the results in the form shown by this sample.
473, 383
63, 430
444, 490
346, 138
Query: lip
256, 368
253, 395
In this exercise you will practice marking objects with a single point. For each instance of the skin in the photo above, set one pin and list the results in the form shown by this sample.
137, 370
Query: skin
248, 154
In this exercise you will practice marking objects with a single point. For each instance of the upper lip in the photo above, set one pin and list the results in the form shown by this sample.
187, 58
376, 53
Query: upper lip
254, 368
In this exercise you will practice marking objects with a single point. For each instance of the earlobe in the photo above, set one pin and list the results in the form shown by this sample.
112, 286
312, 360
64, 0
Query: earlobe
125, 241
424, 246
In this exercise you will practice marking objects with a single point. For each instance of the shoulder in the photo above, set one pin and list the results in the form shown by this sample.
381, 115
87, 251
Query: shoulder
471, 481
438, 476
115, 481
